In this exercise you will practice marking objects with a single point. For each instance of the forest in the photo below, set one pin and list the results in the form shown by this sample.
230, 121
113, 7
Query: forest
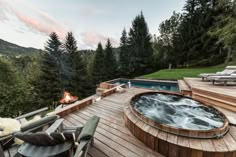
202, 34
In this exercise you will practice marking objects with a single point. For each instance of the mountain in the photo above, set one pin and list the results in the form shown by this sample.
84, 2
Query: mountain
10, 49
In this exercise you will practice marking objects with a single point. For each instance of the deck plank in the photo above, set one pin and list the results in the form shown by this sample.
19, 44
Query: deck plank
118, 142
87, 112
113, 138
117, 132
98, 144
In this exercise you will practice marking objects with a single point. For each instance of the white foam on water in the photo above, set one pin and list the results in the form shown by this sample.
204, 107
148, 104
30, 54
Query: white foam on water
178, 111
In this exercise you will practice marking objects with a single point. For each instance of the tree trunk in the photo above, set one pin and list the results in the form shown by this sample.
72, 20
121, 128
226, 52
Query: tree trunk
229, 55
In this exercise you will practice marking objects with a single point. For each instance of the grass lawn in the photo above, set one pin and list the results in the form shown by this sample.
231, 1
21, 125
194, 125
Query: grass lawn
180, 73
175, 74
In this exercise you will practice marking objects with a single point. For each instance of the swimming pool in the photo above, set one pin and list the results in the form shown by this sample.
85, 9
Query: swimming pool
155, 85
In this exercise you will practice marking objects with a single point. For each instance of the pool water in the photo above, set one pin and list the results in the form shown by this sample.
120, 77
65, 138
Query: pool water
178, 111
149, 84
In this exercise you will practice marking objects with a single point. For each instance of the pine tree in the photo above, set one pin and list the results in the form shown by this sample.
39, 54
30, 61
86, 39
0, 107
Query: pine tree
124, 56
98, 69
79, 82
82, 84
49, 86
70, 50
188, 43
110, 62
197, 43
225, 27
140, 46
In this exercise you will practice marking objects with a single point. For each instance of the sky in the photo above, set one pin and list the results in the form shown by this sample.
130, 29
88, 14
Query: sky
29, 22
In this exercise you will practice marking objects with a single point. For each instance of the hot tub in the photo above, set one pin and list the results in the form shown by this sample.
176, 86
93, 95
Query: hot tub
179, 115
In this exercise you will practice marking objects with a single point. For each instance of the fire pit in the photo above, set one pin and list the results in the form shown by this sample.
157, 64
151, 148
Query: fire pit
68, 99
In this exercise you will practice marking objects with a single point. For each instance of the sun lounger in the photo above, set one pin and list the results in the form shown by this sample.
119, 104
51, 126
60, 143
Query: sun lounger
224, 79
228, 71
59, 142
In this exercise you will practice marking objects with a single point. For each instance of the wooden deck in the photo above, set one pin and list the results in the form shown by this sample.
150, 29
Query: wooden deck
112, 138
217, 95
228, 90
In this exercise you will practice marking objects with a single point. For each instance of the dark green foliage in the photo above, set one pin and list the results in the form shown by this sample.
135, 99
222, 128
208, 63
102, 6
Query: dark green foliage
78, 79
49, 85
98, 68
68, 62
15, 95
124, 56
140, 47
166, 41
109, 62
184, 38
225, 27
82, 84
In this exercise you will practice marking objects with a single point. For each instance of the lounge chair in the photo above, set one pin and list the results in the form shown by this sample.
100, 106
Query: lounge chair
228, 71
58, 141
8, 140
224, 79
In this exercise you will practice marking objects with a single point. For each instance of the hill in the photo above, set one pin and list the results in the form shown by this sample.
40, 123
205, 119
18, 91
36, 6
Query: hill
10, 49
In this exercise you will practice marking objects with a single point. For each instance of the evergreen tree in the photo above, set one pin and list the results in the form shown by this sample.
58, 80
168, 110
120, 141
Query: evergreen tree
124, 55
49, 86
79, 82
82, 84
110, 62
98, 69
198, 45
70, 50
168, 32
141, 57
225, 27
184, 38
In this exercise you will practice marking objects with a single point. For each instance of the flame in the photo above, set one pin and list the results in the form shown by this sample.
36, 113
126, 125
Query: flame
68, 98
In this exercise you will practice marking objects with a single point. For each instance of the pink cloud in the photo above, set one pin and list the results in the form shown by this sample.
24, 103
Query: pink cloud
40, 25
91, 39
38, 20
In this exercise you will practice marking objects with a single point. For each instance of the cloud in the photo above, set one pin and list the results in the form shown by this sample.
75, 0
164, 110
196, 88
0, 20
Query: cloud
91, 11
35, 19
38, 21
91, 39
3, 16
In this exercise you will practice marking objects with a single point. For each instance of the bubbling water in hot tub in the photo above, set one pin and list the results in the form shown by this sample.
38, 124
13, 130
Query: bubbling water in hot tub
178, 111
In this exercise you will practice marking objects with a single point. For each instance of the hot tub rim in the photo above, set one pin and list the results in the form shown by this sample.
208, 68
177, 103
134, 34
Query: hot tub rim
204, 134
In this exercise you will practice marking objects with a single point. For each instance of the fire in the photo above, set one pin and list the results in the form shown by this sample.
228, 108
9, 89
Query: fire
68, 98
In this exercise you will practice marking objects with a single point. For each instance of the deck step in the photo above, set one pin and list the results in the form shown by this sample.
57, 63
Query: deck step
184, 88
215, 101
